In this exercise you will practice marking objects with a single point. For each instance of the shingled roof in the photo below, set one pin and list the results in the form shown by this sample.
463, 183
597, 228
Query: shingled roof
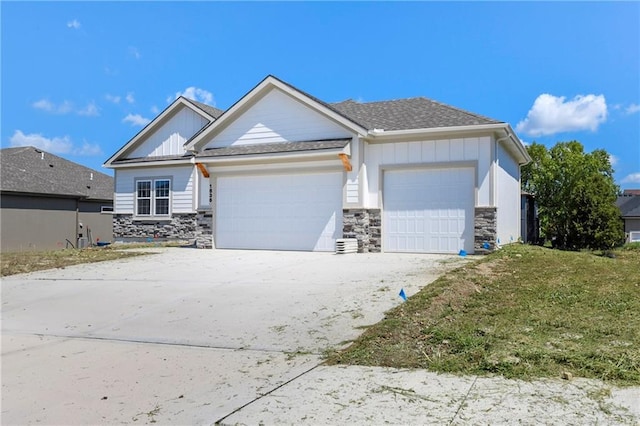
30, 170
629, 205
406, 114
212, 111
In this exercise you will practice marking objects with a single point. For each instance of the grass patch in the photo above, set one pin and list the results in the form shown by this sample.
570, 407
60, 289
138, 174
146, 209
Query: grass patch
523, 312
30, 261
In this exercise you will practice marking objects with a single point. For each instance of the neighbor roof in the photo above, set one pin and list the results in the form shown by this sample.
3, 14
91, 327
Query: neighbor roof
407, 114
629, 205
33, 171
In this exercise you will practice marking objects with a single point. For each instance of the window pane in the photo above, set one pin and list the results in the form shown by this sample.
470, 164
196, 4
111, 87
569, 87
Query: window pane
162, 206
162, 188
144, 188
144, 206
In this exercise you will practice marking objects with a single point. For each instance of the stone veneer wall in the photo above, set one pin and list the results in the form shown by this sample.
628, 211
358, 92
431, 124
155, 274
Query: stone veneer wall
485, 229
366, 226
194, 227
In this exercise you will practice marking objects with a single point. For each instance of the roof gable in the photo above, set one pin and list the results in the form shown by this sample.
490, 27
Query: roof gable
134, 147
31, 170
266, 86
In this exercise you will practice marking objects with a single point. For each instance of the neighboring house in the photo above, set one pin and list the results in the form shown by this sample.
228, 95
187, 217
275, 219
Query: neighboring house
47, 202
283, 170
629, 205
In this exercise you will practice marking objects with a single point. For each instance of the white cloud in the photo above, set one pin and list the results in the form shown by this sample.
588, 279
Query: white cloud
54, 145
613, 159
112, 98
48, 106
89, 150
136, 120
155, 110
196, 94
133, 51
66, 107
552, 114
73, 24
90, 110
130, 98
632, 178
632, 109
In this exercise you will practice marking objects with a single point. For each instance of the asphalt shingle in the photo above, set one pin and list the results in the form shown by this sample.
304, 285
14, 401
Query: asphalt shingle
406, 114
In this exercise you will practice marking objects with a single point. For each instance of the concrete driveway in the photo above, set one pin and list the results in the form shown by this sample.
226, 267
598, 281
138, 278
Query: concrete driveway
186, 336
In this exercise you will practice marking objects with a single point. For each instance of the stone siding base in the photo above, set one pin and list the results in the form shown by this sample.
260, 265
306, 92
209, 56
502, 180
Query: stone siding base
485, 229
365, 225
194, 228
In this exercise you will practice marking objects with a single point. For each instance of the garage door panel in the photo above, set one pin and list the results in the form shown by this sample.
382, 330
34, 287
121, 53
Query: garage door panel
279, 212
429, 210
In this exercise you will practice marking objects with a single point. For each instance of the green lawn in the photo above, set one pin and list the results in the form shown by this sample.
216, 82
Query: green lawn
522, 312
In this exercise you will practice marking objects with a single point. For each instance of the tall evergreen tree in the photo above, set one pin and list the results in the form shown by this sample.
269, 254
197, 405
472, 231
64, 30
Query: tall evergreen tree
576, 195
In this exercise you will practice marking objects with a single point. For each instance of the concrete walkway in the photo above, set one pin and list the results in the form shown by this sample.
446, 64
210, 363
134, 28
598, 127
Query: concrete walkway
191, 336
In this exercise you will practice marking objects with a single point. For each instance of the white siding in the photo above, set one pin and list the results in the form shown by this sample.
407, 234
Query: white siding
170, 137
428, 152
277, 118
181, 187
507, 196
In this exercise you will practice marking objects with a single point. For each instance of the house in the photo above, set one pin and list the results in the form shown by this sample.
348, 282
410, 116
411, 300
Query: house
629, 205
47, 202
283, 170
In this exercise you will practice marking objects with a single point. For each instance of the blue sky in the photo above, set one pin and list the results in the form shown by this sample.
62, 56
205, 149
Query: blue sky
79, 79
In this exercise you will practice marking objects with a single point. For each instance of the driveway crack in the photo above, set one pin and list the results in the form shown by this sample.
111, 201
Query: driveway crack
219, 422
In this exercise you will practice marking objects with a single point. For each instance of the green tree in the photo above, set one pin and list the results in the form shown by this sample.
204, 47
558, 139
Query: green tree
576, 195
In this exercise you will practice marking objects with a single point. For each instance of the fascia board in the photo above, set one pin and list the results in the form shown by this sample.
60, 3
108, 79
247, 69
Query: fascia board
281, 156
254, 96
158, 163
154, 124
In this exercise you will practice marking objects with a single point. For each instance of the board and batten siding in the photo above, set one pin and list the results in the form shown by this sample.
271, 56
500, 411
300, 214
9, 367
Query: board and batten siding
171, 136
434, 152
277, 117
507, 196
182, 177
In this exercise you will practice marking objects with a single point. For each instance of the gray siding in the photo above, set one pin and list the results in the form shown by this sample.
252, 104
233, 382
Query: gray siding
45, 223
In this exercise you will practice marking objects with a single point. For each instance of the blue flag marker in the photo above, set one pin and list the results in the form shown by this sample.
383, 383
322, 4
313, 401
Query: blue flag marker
486, 245
403, 295
462, 253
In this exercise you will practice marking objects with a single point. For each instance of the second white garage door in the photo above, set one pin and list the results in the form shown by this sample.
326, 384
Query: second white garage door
279, 212
429, 210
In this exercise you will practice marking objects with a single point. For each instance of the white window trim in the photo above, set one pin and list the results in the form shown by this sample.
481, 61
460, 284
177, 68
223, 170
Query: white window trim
152, 215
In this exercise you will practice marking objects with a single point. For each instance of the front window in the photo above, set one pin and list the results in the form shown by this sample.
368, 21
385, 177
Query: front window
152, 197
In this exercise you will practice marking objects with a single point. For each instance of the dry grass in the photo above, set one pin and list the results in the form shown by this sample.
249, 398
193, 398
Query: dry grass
522, 312
22, 262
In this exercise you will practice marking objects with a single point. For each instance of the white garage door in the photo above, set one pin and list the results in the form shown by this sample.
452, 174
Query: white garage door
279, 212
429, 211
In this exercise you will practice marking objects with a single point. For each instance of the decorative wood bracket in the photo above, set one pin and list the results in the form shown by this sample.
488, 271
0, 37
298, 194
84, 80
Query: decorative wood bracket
345, 162
203, 169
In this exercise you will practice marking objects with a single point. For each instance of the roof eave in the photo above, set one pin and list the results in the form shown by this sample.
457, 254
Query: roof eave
277, 156
187, 160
